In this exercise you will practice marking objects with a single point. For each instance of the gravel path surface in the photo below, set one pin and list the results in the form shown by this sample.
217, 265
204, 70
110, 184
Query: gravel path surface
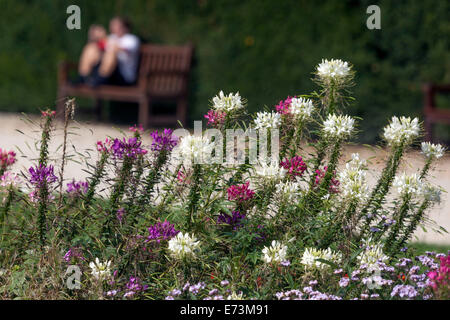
20, 135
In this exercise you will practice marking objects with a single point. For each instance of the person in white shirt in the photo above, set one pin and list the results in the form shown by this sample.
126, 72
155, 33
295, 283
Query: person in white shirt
114, 62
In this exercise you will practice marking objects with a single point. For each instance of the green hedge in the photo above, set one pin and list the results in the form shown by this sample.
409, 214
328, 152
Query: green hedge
265, 49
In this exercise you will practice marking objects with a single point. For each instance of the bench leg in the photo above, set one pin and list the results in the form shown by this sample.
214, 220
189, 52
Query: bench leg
428, 130
182, 111
60, 102
144, 112
98, 109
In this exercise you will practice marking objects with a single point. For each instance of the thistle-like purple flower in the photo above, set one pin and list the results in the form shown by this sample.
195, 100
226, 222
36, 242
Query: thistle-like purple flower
41, 175
162, 231
130, 148
163, 141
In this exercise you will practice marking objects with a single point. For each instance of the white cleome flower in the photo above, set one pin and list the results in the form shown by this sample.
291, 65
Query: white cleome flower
288, 190
431, 193
236, 296
232, 102
310, 256
100, 270
333, 70
276, 253
353, 183
401, 130
372, 254
270, 171
183, 245
267, 120
431, 150
194, 149
301, 108
408, 184
338, 127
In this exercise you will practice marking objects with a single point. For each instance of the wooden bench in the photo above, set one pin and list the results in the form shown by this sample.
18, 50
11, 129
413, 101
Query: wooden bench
433, 114
162, 76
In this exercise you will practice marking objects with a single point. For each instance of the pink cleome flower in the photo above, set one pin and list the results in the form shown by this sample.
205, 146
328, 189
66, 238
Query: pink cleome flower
240, 193
7, 158
295, 166
283, 106
334, 185
215, 117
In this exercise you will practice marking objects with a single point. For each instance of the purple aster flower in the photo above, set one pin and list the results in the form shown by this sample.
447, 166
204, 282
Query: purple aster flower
404, 291
224, 283
344, 282
285, 263
162, 231
163, 141
41, 175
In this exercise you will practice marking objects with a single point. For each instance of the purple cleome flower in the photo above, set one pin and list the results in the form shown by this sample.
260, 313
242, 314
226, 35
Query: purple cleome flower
120, 214
77, 187
133, 287
235, 220
41, 175
162, 231
130, 148
164, 141
73, 253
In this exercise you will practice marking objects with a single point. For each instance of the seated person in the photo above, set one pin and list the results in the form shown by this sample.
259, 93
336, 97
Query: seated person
113, 60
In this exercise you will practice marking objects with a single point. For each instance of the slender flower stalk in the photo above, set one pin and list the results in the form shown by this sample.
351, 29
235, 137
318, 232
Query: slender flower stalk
69, 112
42, 175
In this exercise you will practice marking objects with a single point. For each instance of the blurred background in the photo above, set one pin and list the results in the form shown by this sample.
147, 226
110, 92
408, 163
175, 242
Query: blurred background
264, 49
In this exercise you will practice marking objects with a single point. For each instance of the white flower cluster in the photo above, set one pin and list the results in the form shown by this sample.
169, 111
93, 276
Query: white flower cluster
431, 150
267, 120
270, 171
401, 130
276, 253
431, 193
301, 108
353, 183
372, 255
408, 184
310, 256
338, 127
288, 190
183, 245
334, 69
194, 149
100, 270
230, 103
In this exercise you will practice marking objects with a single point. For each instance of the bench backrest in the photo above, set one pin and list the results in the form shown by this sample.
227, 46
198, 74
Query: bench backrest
164, 70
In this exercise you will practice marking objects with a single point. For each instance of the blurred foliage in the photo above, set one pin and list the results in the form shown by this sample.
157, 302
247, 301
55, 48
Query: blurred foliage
264, 49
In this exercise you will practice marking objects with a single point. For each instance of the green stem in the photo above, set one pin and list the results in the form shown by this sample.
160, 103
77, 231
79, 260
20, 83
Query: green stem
403, 211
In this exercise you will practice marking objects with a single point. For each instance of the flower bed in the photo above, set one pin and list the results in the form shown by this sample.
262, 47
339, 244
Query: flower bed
215, 215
